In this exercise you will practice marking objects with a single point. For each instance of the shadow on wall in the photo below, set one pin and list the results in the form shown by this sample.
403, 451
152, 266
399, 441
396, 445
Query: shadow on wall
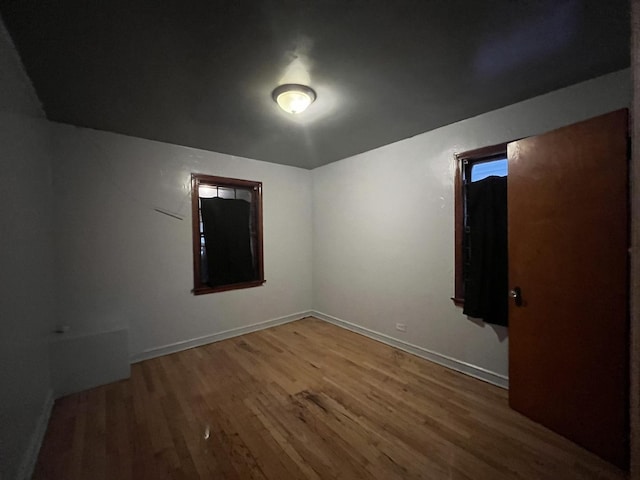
502, 333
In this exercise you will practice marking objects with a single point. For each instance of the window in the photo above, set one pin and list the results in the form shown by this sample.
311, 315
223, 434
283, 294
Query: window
483, 169
472, 166
227, 233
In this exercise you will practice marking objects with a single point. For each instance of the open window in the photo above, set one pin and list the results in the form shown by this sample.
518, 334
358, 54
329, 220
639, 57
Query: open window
227, 233
471, 166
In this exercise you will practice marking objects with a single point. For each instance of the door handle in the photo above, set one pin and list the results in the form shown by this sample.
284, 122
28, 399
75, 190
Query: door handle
516, 294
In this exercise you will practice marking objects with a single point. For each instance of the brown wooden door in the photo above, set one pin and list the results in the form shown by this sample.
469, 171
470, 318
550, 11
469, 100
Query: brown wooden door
568, 241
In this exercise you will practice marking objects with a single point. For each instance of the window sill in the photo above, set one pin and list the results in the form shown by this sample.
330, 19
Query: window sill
225, 288
459, 302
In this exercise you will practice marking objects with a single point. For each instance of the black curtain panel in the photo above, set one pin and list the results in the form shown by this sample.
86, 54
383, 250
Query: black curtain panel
227, 239
486, 267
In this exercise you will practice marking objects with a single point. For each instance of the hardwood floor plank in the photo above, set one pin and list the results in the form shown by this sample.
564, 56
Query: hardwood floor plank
304, 400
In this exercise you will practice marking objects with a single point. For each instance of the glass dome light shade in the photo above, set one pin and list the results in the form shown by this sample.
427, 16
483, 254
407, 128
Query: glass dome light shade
293, 98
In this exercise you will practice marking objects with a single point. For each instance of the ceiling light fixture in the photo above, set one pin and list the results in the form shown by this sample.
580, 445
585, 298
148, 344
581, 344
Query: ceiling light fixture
293, 98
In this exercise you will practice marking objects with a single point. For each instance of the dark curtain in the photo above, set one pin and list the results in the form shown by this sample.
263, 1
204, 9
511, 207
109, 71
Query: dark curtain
227, 240
485, 242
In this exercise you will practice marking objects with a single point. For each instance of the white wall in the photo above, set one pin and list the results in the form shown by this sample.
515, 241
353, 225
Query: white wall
120, 264
384, 226
26, 304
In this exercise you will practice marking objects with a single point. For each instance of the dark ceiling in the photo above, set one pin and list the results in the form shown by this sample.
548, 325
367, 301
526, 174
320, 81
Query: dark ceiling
200, 73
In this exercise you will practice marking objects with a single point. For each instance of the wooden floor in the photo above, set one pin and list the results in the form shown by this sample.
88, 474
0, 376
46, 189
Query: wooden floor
302, 400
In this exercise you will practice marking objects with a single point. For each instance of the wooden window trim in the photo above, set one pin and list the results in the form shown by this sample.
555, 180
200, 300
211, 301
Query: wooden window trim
197, 179
463, 161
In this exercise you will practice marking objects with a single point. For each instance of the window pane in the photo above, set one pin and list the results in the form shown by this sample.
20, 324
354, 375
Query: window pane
226, 192
243, 194
483, 170
207, 191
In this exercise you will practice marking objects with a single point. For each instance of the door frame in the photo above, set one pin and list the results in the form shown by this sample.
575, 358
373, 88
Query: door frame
635, 245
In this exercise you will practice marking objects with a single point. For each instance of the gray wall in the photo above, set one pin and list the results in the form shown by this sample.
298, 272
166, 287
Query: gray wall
26, 307
384, 230
121, 264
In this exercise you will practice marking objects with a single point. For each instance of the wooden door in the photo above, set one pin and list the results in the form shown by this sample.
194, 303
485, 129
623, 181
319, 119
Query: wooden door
568, 247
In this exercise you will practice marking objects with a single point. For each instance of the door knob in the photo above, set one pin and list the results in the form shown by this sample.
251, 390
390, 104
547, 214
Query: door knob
516, 294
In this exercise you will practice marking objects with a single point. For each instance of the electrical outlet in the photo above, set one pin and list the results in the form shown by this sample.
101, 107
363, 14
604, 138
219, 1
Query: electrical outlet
401, 327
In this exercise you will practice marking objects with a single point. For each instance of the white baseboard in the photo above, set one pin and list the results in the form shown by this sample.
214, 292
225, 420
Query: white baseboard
215, 337
449, 362
446, 361
30, 456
